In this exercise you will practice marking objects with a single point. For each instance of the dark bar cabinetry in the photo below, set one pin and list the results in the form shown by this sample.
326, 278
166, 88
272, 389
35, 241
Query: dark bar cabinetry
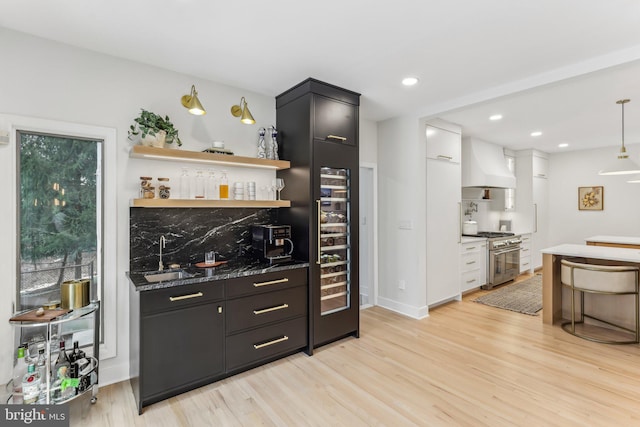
318, 131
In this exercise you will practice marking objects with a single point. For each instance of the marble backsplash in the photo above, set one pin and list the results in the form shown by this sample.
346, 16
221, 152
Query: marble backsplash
189, 232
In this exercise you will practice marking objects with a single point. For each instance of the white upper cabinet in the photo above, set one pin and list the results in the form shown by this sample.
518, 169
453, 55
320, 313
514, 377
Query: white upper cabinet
443, 144
540, 167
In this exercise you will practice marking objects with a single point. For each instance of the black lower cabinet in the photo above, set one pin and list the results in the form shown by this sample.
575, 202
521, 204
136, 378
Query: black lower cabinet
181, 349
184, 337
176, 340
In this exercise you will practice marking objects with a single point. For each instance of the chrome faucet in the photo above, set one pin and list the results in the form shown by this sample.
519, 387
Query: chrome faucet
163, 242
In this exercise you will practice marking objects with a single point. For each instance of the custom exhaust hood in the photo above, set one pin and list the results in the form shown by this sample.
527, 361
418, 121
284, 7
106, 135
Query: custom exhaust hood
484, 165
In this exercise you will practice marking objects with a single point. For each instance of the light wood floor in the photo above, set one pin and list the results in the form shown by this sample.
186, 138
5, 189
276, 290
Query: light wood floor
466, 364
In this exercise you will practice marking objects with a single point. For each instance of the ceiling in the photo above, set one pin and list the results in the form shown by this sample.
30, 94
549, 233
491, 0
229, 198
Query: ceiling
581, 55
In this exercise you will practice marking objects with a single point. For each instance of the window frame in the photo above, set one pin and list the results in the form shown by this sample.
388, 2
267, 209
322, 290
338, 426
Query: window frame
108, 214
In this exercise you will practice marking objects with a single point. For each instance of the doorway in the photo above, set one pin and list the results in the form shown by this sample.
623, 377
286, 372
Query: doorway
368, 235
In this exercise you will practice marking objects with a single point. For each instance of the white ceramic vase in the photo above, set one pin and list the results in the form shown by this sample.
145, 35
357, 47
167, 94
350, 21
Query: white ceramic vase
157, 140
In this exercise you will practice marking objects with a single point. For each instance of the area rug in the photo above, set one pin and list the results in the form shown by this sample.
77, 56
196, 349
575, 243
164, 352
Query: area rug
522, 297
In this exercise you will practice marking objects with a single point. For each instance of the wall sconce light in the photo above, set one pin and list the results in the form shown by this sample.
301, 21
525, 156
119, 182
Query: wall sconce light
243, 112
192, 103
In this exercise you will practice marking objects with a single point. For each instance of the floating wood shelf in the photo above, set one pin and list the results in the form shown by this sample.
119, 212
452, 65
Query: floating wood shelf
205, 203
155, 153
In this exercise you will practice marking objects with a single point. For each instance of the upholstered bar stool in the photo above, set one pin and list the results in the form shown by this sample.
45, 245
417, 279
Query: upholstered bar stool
600, 280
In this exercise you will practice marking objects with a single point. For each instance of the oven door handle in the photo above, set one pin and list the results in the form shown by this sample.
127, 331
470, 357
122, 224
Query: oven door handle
506, 251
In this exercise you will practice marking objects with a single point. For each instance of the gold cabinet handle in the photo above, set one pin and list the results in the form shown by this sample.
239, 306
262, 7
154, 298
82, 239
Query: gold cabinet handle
181, 297
471, 262
471, 281
271, 282
319, 261
443, 157
267, 310
340, 138
471, 248
266, 344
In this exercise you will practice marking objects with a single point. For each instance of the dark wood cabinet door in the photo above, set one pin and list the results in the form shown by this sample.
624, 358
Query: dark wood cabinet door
335, 121
181, 348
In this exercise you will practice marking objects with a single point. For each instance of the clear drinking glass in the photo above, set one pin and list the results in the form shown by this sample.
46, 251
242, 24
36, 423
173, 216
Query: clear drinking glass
279, 186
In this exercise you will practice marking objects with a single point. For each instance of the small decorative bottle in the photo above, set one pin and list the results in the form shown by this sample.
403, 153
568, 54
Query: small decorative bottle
274, 143
224, 186
262, 148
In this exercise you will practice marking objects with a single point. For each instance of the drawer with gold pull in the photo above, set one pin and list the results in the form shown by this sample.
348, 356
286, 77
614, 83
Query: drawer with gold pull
180, 296
250, 348
267, 282
261, 309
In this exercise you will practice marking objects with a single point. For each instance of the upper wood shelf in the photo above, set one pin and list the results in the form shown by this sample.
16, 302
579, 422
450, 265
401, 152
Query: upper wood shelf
155, 153
205, 203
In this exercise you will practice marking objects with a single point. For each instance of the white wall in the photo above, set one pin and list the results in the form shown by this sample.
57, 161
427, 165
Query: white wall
567, 172
402, 197
368, 139
49, 80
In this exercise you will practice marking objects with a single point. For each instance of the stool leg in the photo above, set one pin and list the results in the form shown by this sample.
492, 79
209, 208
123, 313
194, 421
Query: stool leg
573, 310
637, 315
581, 306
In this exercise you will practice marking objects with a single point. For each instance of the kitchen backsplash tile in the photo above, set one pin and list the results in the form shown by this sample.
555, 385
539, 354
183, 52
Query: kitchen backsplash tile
189, 232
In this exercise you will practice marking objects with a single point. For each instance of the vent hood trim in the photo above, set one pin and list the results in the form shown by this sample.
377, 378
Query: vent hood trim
484, 165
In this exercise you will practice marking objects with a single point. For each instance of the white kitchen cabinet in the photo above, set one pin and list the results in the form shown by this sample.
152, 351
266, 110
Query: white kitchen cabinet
540, 166
532, 197
443, 216
441, 145
525, 253
472, 265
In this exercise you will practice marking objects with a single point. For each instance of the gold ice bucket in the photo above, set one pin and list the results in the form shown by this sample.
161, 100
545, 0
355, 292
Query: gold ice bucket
75, 293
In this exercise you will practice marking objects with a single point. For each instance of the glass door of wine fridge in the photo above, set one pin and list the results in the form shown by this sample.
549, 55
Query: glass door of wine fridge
334, 239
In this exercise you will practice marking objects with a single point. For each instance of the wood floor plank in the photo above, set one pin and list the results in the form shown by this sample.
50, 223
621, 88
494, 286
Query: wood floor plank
465, 365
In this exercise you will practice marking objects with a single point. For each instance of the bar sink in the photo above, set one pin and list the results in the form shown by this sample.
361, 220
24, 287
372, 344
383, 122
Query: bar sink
161, 276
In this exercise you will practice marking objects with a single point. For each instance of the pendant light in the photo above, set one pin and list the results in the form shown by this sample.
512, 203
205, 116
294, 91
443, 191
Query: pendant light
192, 103
624, 165
243, 112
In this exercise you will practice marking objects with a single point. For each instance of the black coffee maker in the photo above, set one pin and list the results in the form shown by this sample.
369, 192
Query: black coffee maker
272, 242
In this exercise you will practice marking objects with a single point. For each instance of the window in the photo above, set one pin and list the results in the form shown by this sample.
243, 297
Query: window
106, 211
60, 198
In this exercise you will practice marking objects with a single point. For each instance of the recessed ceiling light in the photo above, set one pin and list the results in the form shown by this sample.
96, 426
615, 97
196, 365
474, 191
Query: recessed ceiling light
409, 81
495, 117
536, 133
563, 145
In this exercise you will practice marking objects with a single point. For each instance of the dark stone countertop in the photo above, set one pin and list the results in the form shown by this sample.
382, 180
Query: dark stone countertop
232, 269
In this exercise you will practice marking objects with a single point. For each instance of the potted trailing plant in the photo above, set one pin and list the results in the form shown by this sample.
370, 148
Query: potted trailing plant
154, 129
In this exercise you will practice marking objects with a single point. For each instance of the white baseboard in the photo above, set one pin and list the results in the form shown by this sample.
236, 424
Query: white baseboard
404, 309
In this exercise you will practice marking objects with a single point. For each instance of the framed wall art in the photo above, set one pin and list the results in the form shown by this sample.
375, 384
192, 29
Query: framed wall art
590, 198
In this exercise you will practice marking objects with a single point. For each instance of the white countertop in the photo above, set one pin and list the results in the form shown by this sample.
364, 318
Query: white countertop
623, 240
598, 252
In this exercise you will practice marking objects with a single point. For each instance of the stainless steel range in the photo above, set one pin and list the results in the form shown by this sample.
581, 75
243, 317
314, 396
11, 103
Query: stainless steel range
503, 257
